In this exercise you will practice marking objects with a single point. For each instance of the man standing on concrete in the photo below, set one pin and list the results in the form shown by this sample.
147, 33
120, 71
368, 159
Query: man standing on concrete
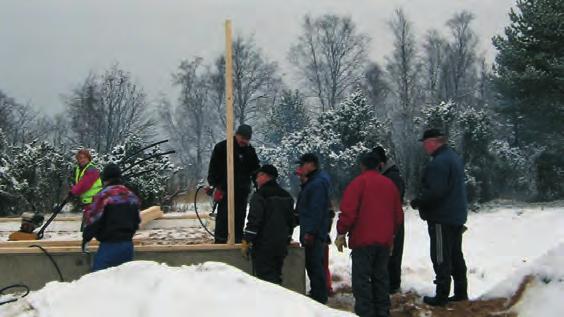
370, 213
389, 169
269, 226
313, 210
245, 163
442, 203
112, 219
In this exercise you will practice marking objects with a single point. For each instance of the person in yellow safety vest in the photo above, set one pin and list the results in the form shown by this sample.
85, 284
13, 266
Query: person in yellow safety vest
86, 180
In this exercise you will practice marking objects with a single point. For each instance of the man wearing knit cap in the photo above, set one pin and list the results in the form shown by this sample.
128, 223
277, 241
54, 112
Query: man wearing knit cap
245, 163
269, 226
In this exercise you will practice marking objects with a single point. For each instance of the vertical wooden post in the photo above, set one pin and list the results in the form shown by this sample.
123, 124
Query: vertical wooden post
229, 133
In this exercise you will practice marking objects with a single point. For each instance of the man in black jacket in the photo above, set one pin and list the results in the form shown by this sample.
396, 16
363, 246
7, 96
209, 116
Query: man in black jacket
442, 203
389, 169
245, 163
113, 218
269, 226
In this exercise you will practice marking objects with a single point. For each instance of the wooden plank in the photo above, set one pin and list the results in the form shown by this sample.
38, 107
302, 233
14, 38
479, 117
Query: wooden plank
229, 132
53, 243
150, 214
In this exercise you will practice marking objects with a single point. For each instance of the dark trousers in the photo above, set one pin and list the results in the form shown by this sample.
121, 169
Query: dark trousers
111, 254
370, 280
448, 259
315, 271
268, 267
394, 266
221, 218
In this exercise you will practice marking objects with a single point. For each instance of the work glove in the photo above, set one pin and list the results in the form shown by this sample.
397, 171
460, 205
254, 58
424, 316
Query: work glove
217, 195
340, 242
246, 248
415, 203
309, 240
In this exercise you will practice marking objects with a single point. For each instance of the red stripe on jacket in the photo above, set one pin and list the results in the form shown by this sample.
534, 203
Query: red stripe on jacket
370, 210
85, 183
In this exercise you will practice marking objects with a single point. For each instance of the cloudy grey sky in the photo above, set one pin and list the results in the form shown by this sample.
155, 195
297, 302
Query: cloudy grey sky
47, 47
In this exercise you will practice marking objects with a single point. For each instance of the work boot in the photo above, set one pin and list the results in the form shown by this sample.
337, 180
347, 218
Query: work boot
460, 291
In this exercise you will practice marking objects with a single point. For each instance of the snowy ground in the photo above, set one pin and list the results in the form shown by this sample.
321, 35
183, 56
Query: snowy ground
504, 243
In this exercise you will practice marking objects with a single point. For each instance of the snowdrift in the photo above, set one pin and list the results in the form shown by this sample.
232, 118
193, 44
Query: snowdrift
144, 288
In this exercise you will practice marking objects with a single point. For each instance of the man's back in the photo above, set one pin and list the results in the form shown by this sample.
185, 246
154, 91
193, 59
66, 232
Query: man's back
370, 210
313, 205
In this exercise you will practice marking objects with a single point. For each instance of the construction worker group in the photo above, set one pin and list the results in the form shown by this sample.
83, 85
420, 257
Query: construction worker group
370, 214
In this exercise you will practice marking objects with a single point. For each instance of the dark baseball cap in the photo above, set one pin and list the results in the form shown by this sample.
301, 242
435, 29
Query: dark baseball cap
268, 169
431, 133
245, 131
308, 157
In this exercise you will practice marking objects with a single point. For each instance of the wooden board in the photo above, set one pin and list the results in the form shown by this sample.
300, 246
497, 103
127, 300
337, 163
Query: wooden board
150, 214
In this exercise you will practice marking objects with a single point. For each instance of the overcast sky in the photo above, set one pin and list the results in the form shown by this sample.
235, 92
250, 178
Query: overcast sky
47, 47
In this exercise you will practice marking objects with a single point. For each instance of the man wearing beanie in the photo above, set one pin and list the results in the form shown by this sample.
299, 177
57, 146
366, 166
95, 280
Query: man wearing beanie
245, 163
113, 220
269, 226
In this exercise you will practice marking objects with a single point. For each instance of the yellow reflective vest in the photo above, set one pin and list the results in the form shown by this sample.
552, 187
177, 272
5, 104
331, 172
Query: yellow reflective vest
86, 197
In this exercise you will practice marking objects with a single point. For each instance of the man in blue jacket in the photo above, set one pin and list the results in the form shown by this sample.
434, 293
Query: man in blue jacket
313, 208
442, 203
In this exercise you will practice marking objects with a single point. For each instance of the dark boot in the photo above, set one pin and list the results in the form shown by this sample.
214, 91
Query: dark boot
441, 295
460, 292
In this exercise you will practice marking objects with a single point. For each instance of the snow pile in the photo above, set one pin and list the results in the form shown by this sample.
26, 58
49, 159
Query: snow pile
543, 296
144, 288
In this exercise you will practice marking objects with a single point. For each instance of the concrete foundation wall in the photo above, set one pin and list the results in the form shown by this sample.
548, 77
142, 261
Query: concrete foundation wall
34, 268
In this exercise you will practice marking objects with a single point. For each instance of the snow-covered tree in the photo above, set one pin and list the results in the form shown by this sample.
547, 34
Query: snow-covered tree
338, 136
287, 116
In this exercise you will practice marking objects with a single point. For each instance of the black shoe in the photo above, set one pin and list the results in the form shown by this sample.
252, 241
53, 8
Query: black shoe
458, 298
435, 301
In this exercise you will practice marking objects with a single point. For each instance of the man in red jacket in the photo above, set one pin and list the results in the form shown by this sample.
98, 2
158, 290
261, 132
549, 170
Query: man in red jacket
370, 213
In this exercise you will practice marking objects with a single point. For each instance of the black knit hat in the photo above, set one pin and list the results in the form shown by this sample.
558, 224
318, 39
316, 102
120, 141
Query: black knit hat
431, 133
111, 171
245, 131
268, 169
308, 157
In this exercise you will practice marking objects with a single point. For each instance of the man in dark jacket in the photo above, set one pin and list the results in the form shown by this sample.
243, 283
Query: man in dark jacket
269, 226
245, 163
442, 203
389, 169
313, 210
112, 219
370, 213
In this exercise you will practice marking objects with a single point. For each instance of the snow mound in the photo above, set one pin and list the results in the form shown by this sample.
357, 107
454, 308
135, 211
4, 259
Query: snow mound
543, 295
144, 288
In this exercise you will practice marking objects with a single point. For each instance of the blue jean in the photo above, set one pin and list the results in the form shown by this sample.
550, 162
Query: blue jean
315, 271
112, 254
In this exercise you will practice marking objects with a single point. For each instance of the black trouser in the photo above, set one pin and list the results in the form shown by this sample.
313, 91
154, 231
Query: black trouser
221, 218
315, 271
370, 280
394, 266
267, 266
448, 259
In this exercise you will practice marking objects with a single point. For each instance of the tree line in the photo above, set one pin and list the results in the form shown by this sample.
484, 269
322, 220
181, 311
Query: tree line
504, 118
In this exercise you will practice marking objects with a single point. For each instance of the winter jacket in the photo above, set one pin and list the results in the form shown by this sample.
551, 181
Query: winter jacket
391, 171
87, 183
314, 204
270, 222
113, 216
245, 163
370, 210
443, 194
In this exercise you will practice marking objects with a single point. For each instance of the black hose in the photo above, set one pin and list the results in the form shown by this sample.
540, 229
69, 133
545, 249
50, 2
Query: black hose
52, 260
14, 286
198, 214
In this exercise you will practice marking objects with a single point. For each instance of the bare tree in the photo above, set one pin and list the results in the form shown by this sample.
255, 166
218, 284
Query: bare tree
461, 57
403, 70
330, 56
434, 55
376, 87
187, 123
106, 110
